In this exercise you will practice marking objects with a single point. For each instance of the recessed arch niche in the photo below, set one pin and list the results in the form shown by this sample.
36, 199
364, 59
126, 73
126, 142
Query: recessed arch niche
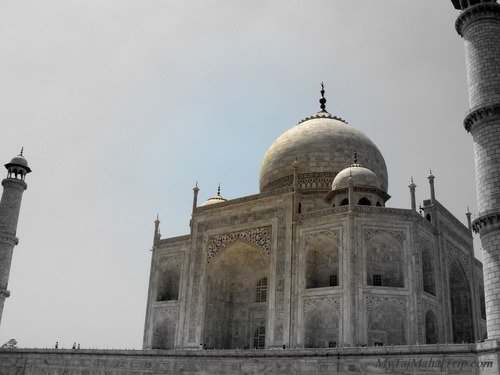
322, 262
428, 271
386, 325
164, 333
321, 326
232, 314
460, 303
384, 262
168, 280
431, 331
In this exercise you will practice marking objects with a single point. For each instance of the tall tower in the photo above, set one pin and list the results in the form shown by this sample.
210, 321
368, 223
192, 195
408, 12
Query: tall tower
479, 25
13, 189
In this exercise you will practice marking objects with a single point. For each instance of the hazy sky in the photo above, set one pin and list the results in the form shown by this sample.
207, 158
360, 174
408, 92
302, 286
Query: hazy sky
122, 105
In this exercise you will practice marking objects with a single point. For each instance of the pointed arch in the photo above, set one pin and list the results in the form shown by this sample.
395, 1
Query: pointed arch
460, 303
321, 327
164, 333
232, 309
428, 272
431, 331
322, 262
386, 325
364, 202
384, 262
168, 280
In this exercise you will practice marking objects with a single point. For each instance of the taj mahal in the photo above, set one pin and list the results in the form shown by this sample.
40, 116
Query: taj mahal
314, 274
316, 259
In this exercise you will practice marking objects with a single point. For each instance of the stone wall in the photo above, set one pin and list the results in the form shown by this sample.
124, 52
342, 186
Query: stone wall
454, 359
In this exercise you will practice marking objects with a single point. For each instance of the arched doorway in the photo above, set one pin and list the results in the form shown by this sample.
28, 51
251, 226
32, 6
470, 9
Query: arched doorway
236, 297
460, 302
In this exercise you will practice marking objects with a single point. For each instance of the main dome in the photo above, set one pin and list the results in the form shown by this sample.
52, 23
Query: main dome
323, 145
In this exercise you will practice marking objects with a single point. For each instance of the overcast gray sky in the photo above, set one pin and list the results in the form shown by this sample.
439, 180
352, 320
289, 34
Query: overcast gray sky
122, 105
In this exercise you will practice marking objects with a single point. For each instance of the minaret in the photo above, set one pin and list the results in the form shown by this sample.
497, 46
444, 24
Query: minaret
412, 187
13, 189
479, 25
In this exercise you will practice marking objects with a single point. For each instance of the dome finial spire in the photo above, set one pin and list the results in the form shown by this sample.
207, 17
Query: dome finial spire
22, 150
355, 157
322, 101
218, 190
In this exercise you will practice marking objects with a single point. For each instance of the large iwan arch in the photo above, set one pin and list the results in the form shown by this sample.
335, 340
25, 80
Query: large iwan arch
236, 297
460, 303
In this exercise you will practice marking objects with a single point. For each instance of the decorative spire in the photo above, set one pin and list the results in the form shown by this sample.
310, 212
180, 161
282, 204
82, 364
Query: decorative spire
218, 190
355, 157
412, 187
468, 214
322, 101
22, 150
412, 184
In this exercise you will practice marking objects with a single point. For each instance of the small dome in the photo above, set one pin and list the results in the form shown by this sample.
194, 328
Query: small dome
360, 175
19, 160
216, 199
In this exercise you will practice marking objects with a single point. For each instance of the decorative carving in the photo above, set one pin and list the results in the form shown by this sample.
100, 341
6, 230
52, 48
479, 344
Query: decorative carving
161, 313
331, 233
472, 13
200, 253
486, 221
321, 181
399, 235
400, 302
455, 254
311, 303
428, 305
457, 237
405, 213
260, 237
322, 213
176, 258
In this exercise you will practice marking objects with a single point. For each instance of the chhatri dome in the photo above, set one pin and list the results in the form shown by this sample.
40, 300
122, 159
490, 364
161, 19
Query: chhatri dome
358, 175
323, 145
215, 199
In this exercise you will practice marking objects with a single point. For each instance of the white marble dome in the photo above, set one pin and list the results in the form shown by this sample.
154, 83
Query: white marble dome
323, 145
360, 175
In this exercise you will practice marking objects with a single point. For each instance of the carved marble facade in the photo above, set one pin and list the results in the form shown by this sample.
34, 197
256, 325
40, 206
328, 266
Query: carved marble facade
318, 278
315, 259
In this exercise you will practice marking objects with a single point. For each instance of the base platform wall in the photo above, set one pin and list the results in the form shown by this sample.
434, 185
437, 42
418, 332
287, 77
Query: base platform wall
482, 358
